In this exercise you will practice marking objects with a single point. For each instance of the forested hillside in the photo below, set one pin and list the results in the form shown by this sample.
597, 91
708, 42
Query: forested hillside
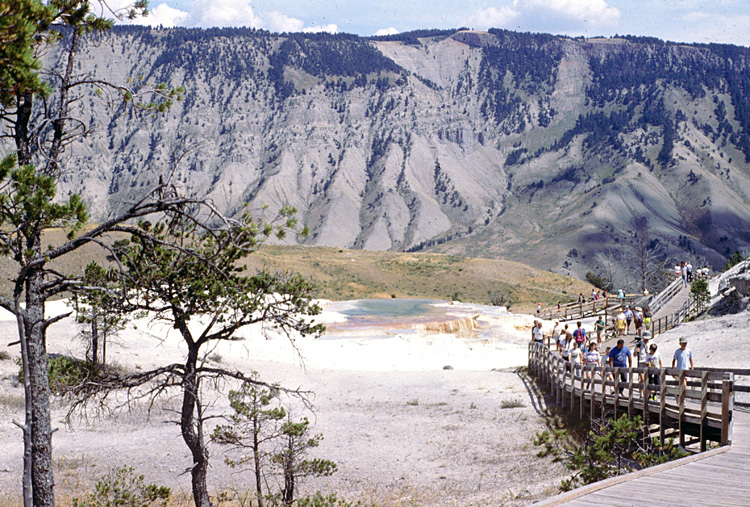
526, 146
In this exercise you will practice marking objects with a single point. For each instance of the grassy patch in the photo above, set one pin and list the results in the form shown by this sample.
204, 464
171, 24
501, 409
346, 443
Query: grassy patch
12, 402
359, 274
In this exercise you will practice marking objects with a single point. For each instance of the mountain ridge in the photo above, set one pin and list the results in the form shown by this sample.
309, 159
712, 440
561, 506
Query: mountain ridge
494, 144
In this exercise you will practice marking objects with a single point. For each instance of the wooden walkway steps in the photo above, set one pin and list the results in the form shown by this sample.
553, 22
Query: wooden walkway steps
698, 404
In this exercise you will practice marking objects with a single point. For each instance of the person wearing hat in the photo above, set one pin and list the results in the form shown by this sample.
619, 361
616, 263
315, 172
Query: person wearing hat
682, 358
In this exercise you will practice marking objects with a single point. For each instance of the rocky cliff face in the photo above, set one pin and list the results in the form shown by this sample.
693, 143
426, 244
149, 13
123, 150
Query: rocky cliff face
529, 147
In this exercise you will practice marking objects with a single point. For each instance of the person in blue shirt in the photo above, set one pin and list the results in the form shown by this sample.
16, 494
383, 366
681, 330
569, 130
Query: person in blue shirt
683, 359
621, 357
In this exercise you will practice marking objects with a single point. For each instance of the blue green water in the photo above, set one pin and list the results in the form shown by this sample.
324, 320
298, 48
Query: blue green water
392, 308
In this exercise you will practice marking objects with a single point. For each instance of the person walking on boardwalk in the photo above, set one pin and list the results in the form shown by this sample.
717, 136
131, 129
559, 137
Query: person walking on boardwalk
556, 334
683, 273
575, 358
653, 359
641, 352
580, 335
647, 316
621, 357
638, 320
536, 332
620, 322
592, 358
628, 318
567, 344
683, 359
599, 326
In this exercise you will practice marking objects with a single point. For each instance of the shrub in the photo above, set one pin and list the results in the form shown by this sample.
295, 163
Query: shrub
65, 373
502, 297
515, 403
612, 447
733, 260
318, 500
598, 282
123, 488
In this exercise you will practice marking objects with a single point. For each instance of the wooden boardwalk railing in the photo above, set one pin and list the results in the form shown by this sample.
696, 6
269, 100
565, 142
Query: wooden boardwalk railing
666, 295
580, 310
691, 403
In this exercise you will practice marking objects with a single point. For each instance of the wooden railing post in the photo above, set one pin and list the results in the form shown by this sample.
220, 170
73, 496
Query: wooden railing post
662, 401
617, 391
592, 384
646, 396
604, 390
704, 406
572, 386
726, 398
681, 403
582, 399
630, 392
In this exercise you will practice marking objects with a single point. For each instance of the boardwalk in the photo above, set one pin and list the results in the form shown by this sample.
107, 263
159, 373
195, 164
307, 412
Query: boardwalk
717, 477
720, 476
674, 304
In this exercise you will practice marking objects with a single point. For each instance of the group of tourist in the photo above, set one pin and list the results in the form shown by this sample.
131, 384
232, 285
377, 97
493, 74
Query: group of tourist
582, 351
638, 317
685, 271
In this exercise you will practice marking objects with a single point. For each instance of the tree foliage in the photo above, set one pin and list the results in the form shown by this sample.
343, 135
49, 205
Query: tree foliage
187, 276
612, 447
98, 309
20, 24
733, 260
263, 434
124, 488
41, 130
700, 292
250, 431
